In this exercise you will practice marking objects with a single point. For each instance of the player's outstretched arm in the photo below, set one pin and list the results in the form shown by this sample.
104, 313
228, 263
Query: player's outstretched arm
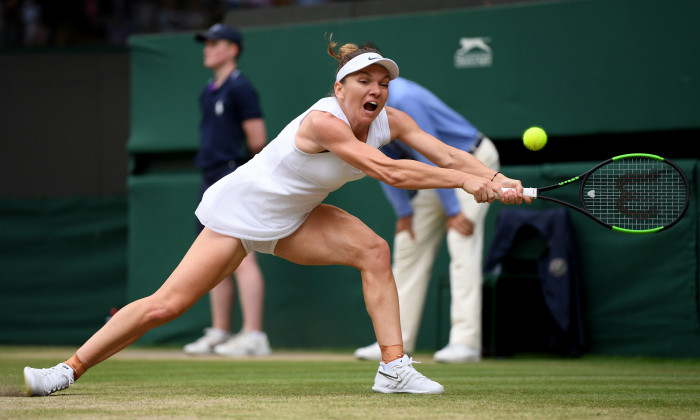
404, 128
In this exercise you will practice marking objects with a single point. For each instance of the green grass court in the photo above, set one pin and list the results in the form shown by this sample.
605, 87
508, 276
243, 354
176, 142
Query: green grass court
164, 383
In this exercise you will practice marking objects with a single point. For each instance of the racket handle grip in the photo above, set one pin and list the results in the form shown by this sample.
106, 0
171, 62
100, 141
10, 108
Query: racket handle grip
527, 192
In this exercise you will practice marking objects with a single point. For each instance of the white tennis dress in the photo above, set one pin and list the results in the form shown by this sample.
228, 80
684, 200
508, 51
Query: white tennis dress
269, 197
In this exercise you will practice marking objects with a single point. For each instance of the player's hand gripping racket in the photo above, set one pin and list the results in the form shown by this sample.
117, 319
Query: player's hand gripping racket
633, 193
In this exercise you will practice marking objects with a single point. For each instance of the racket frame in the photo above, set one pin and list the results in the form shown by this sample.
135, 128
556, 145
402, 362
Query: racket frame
536, 193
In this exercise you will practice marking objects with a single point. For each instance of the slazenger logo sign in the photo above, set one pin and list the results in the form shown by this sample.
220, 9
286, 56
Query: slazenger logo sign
473, 52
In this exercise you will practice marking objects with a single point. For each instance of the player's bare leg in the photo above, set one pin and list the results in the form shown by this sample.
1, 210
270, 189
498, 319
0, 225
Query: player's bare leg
211, 257
350, 242
331, 236
251, 340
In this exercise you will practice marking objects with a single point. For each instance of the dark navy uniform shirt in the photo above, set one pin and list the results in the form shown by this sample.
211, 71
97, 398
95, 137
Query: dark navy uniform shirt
222, 140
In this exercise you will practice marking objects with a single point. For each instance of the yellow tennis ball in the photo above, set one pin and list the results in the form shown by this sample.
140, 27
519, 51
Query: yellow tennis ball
534, 138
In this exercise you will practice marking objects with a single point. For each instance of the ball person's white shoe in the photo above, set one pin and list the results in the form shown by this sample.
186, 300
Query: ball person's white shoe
245, 343
42, 382
399, 376
371, 352
458, 353
205, 344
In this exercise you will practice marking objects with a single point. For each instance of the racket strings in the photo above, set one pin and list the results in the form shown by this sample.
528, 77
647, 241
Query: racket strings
636, 193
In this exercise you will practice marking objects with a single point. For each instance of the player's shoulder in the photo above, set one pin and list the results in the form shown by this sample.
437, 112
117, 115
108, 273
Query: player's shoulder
396, 115
400, 123
320, 118
323, 123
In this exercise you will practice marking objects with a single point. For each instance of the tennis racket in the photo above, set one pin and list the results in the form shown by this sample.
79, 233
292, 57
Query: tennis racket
632, 193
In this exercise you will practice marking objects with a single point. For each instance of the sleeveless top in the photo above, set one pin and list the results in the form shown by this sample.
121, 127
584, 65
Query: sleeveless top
269, 197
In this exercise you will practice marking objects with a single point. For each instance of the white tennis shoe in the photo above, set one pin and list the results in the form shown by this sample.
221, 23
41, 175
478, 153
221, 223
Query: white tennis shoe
399, 376
42, 382
245, 343
371, 352
458, 353
205, 344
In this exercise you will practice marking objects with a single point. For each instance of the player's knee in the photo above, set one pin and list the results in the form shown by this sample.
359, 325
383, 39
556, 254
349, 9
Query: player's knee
376, 254
160, 311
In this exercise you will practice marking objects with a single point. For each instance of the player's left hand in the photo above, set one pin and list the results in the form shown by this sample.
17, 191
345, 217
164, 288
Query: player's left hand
514, 192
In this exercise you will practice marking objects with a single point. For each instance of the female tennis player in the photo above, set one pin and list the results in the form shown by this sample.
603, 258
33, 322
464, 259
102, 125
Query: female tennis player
272, 204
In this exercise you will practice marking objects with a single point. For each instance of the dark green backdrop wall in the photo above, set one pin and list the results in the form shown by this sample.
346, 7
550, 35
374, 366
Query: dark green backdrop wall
62, 267
575, 67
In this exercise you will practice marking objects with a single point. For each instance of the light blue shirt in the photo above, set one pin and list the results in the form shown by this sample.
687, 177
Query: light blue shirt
435, 118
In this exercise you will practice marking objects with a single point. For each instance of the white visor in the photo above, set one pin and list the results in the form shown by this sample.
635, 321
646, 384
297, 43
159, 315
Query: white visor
365, 60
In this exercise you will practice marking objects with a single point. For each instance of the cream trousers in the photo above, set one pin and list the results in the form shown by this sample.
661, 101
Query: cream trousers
413, 261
